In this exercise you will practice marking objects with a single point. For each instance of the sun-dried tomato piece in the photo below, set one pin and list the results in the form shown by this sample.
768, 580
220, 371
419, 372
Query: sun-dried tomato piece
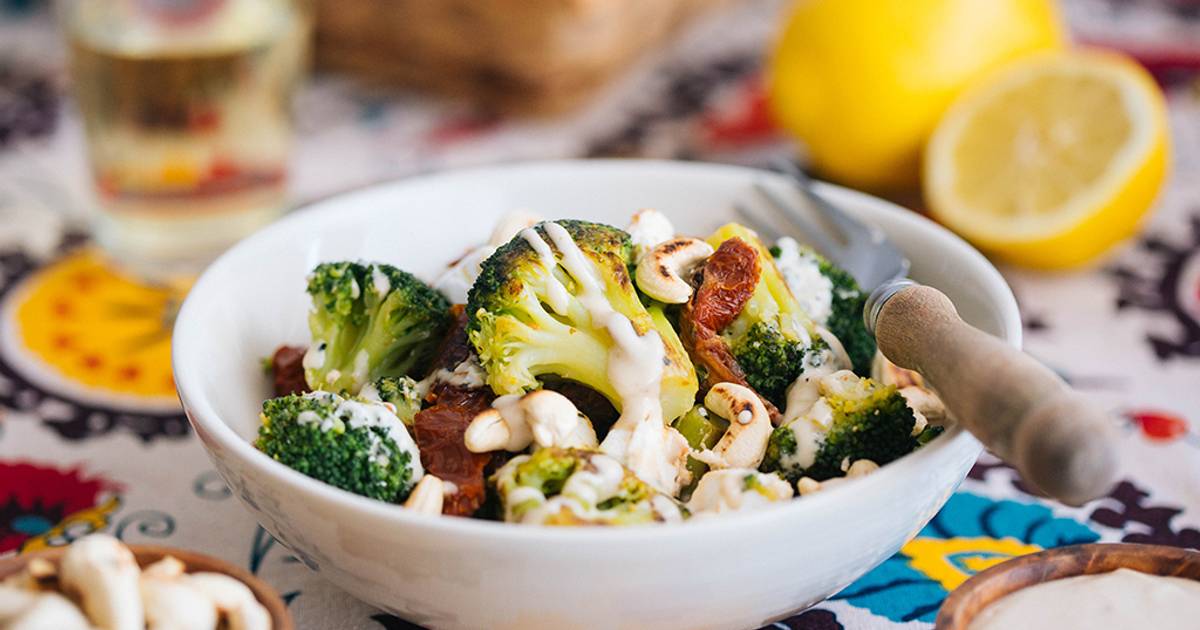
439, 428
439, 432
455, 347
726, 282
287, 371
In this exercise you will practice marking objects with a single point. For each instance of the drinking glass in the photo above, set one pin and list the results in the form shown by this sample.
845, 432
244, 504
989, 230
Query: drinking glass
186, 106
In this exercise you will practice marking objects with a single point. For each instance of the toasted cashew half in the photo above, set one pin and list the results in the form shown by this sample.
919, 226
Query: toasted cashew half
745, 441
428, 496
543, 417
104, 573
925, 405
660, 273
171, 602
234, 600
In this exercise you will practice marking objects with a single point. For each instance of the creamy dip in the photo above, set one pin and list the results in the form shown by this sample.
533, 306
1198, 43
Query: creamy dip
1118, 600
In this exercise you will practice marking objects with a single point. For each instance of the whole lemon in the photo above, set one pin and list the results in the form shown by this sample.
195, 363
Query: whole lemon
862, 83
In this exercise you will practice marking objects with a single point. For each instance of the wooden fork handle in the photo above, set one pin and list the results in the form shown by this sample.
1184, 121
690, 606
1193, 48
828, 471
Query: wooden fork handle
1017, 407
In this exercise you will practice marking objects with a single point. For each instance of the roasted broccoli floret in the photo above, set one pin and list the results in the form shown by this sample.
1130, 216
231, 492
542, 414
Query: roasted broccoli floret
401, 392
840, 309
357, 445
369, 320
530, 316
556, 486
772, 334
854, 418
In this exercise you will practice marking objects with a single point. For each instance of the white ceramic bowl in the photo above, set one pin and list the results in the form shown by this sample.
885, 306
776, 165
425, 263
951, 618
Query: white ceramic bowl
737, 571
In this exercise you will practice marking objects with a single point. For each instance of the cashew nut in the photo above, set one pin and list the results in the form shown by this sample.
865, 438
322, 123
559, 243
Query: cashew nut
745, 442
234, 600
807, 485
22, 609
171, 602
925, 405
861, 468
889, 373
858, 468
737, 489
648, 228
428, 496
104, 574
660, 272
544, 418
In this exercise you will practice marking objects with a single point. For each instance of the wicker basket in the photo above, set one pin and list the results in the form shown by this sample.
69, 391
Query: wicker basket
526, 56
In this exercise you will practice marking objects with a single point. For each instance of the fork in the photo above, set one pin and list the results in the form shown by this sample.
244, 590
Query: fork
1013, 404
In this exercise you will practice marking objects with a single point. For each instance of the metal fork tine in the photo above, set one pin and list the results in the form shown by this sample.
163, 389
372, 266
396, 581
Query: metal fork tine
756, 223
813, 233
851, 229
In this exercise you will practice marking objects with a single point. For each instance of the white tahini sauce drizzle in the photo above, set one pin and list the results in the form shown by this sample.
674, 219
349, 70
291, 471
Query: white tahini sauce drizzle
1107, 601
557, 296
314, 357
468, 373
368, 414
380, 281
805, 390
638, 439
802, 273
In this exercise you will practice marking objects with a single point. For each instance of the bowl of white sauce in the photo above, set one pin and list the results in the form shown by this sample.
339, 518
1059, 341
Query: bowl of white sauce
1098, 587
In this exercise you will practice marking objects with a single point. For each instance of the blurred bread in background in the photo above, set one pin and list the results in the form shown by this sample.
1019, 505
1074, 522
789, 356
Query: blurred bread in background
512, 56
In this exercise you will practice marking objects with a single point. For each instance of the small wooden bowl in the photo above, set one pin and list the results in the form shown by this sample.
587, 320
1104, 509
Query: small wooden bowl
988, 586
194, 562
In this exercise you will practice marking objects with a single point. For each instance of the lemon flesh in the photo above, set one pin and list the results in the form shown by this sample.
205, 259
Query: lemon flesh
1052, 160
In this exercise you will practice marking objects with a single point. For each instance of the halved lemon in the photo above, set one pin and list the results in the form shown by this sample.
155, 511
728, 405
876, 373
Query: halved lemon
1052, 160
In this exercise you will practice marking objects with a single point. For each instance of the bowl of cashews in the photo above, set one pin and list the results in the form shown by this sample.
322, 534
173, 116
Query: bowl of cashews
99, 582
740, 569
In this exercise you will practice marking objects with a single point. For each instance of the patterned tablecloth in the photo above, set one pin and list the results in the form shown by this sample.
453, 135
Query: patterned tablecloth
91, 438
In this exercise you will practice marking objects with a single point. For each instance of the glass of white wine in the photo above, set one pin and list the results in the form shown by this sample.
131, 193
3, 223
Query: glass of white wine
186, 106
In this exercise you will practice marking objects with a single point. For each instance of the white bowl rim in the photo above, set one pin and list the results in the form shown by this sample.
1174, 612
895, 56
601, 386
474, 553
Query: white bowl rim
202, 413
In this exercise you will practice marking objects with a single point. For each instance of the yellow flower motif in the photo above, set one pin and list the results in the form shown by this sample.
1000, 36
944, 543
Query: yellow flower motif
952, 561
92, 326
90, 520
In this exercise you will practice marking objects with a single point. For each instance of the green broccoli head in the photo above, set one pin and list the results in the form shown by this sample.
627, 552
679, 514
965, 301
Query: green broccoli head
771, 336
356, 445
369, 320
527, 319
556, 486
855, 418
772, 362
402, 392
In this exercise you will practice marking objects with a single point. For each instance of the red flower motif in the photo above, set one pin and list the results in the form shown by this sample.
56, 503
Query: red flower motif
34, 499
1159, 426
